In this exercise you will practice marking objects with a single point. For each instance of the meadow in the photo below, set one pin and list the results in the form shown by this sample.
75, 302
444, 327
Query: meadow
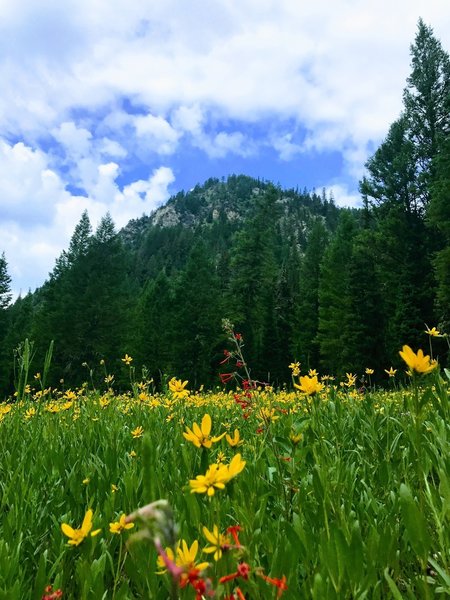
318, 490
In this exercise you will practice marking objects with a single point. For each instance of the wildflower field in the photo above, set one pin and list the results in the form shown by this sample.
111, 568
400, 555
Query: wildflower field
320, 490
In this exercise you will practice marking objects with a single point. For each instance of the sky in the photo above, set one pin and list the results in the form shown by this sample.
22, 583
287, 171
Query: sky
114, 106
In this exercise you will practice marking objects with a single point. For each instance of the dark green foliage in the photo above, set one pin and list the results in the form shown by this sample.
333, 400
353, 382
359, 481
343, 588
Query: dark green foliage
364, 346
439, 218
305, 345
334, 298
426, 104
253, 278
151, 338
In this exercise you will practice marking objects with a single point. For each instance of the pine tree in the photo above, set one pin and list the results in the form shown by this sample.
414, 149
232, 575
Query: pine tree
439, 217
196, 329
5, 283
253, 277
334, 297
364, 326
154, 332
425, 100
5, 299
305, 344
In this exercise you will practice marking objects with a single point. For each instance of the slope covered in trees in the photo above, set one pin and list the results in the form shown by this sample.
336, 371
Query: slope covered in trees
338, 289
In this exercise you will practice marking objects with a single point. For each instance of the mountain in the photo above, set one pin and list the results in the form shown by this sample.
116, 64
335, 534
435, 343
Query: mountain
161, 286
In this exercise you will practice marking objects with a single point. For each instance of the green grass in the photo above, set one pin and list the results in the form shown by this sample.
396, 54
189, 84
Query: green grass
358, 508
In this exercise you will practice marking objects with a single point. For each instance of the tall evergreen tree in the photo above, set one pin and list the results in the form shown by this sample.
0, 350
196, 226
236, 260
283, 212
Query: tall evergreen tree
196, 327
253, 277
305, 343
364, 327
5, 283
439, 217
334, 297
154, 331
425, 101
5, 299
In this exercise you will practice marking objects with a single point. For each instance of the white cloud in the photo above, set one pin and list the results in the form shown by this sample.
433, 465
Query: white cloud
343, 196
38, 214
285, 147
156, 134
89, 87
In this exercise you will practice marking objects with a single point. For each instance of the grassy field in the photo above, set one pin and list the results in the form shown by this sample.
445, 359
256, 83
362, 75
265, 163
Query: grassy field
320, 492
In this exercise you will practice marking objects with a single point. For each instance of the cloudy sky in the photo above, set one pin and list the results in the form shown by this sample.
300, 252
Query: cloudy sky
116, 105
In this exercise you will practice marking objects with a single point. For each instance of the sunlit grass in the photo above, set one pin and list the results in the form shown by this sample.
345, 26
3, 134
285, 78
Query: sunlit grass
342, 493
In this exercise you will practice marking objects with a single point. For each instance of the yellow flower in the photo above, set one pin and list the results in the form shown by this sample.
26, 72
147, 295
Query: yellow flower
184, 558
114, 488
433, 332
30, 412
160, 561
220, 458
268, 415
235, 467
419, 362
235, 440
78, 535
351, 379
127, 359
177, 387
391, 372
215, 478
295, 437
295, 368
86, 481
369, 371
138, 432
312, 373
133, 454
309, 385
200, 436
218, 542
120, 525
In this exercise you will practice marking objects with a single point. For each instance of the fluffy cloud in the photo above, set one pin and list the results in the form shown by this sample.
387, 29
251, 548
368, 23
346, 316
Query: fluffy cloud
95, 91
38, 213
343, 196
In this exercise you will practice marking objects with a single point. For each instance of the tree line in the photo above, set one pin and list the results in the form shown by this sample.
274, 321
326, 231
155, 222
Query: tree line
339, 290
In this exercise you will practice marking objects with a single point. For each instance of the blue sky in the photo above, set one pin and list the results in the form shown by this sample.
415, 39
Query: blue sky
115, 106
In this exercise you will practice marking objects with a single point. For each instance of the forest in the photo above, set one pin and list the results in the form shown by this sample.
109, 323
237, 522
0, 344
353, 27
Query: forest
340, 290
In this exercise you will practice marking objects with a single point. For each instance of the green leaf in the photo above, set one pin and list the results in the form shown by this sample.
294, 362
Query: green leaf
415, 523
392, 586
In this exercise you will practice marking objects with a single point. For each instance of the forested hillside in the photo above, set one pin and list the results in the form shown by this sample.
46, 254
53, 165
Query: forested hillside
339, 290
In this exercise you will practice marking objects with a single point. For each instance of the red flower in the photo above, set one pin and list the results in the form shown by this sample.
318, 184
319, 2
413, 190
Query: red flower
243, 569
49, 594
225, 377
279, 583
233, 531
238, 336
227, 357
230, 577
239, 595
